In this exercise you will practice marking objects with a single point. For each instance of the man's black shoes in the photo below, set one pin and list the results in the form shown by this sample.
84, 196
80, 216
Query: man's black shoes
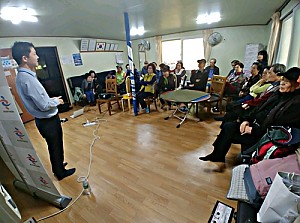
65, 173
219, 118
215, 109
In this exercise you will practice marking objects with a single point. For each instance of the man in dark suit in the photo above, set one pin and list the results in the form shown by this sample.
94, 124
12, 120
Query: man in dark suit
212, 69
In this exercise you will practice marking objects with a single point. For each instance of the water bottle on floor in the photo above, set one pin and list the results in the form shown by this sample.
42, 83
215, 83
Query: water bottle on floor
86, 187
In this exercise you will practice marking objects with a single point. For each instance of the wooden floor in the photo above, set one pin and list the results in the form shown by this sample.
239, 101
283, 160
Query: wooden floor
144, 170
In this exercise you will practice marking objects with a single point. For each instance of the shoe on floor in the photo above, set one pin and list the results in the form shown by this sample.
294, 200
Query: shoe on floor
219, 118
215, 109
220, 167
65, 173
205, 158
210, 157
147, 110
142, 111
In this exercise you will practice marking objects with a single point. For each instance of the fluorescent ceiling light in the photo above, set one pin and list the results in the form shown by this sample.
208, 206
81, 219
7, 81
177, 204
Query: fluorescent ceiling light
18, 14
137, 31
209, 18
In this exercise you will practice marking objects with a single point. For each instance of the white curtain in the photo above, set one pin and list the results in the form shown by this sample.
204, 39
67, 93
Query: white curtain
274, 37
159, 49
206, 45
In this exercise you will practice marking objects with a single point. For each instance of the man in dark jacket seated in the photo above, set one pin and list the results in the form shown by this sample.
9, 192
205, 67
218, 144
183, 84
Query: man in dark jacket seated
198, 79
282, 108
212, 69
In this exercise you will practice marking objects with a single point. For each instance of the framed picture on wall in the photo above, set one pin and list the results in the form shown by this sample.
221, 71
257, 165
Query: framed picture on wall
84, 44
100, 46
92, 45
116, 47
107, 46
112, 46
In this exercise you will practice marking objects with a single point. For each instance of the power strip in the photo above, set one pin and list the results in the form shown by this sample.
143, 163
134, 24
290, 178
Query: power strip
30, 220
89, 124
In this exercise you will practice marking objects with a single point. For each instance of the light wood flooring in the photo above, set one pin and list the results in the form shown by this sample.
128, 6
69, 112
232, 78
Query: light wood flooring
144, 170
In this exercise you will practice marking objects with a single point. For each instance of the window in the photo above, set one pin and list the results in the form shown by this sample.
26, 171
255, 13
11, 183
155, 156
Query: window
294, 54
171, 52
285, 39
186, 50
192, 51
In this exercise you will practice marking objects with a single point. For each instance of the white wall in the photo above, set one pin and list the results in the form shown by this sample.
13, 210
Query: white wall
98, 61
151, 55
232, 47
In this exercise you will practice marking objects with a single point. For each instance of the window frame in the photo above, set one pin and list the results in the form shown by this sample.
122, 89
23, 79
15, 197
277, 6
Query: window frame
181, 48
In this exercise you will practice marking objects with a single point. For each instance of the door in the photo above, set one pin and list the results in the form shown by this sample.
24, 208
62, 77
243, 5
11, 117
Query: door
11, 79
50, 74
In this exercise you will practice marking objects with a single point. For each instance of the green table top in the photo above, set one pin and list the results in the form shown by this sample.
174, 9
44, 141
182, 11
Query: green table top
185, 95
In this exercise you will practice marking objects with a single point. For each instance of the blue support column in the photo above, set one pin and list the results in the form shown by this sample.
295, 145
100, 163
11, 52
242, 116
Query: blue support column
130, 61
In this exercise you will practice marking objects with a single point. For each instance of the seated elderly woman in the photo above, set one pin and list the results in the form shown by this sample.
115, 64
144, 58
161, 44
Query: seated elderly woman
180, 73
147, 87
246, 92
235, 81
120, 75
166, 83
282, 108
256, 71
88, 88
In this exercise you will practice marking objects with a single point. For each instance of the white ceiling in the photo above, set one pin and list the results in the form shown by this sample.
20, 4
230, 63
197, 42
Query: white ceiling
104, 19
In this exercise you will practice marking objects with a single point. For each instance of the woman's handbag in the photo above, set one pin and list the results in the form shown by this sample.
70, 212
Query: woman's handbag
282, 203
278, 142
262, 174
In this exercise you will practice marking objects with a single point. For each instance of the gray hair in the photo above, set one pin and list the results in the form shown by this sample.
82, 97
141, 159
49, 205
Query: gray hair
278, 68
